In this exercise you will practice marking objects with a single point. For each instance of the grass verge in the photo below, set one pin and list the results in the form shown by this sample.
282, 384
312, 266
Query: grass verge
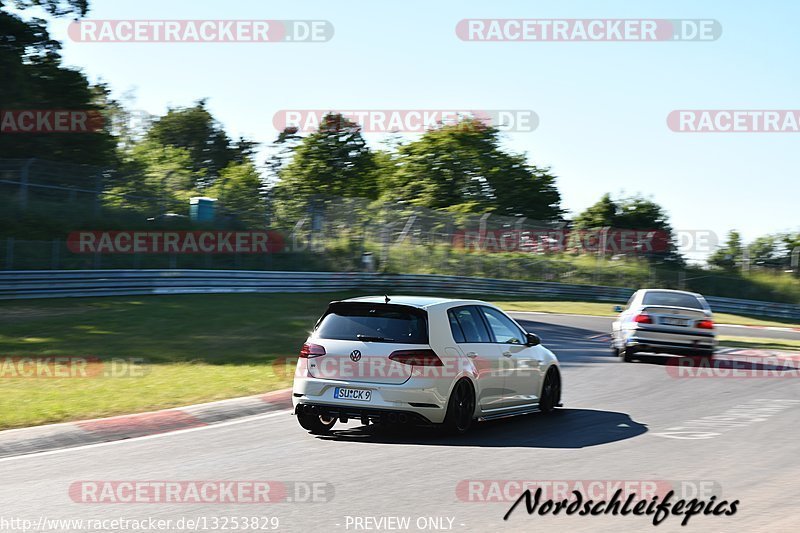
759, 343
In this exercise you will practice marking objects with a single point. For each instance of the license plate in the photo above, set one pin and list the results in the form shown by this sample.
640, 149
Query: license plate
352, 394
673, 321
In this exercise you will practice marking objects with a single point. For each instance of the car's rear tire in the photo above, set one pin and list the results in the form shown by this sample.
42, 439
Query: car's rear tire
316, 424
625, 354
460, 409
551, 392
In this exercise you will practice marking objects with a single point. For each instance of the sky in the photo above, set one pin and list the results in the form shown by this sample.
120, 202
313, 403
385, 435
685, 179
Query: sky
602, 106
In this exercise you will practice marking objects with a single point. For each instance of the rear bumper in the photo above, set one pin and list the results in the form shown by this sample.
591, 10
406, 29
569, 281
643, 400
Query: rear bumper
418, 397
354, 412
671, 344
661, 339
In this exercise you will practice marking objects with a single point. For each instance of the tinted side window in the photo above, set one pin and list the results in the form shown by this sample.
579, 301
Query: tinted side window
472, 326
455, 327
504, 329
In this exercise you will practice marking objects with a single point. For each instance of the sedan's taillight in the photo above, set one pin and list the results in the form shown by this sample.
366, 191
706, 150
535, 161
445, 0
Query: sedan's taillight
705, 324
642, 318
311, 350
416, 357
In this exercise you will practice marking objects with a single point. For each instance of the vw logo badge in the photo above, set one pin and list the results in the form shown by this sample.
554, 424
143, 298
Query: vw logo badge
355, 355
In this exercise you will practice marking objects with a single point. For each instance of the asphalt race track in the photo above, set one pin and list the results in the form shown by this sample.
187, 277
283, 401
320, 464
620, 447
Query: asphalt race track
602, 325
724, 434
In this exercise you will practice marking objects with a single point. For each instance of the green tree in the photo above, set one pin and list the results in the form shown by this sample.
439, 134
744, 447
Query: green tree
632, 213
240, 192
767, 251
602, 214
155, 178
55, 7
729, 255
195, 130
461, 167
334, 161
34, 78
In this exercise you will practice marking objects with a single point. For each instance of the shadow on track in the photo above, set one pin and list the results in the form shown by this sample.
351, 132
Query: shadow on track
565, 428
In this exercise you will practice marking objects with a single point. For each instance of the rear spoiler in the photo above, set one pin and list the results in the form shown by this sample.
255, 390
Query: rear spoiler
339, 304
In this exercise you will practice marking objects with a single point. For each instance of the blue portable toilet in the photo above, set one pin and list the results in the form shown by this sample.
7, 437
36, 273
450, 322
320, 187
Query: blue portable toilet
202, 208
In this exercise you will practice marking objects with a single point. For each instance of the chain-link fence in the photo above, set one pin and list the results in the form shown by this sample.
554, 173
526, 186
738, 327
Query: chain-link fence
347, 234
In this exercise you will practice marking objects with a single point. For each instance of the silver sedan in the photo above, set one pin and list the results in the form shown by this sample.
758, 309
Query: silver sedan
664, 321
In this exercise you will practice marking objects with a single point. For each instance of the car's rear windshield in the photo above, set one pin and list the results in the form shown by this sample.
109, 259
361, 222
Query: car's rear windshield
671, 299
374, 323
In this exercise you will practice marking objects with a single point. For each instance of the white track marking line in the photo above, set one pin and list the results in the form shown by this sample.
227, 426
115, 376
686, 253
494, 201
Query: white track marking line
253, 418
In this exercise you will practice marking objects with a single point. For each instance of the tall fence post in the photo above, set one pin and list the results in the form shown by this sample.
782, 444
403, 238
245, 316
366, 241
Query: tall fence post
24, 179
55, 258
9, 253
98, 186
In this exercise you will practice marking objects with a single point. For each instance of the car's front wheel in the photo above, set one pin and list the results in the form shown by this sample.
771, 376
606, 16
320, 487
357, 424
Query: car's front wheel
460, 409
316, 424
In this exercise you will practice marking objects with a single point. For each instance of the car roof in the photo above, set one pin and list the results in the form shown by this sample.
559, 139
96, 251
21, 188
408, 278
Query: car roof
421, 302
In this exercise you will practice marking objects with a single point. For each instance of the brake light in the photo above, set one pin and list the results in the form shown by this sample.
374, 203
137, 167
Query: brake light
643, 319
705, 324
311, 350
416, 357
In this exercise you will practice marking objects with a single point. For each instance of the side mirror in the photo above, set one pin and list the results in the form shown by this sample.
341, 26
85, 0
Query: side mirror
533, 339
617, 308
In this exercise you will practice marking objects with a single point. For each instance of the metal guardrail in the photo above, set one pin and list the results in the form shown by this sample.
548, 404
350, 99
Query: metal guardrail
85, 283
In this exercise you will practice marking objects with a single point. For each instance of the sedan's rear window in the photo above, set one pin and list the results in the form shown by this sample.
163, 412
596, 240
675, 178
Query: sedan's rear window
374, 323
671, 299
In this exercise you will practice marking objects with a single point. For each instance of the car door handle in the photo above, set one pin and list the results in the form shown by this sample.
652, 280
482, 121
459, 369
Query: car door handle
472, 355
507, 354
